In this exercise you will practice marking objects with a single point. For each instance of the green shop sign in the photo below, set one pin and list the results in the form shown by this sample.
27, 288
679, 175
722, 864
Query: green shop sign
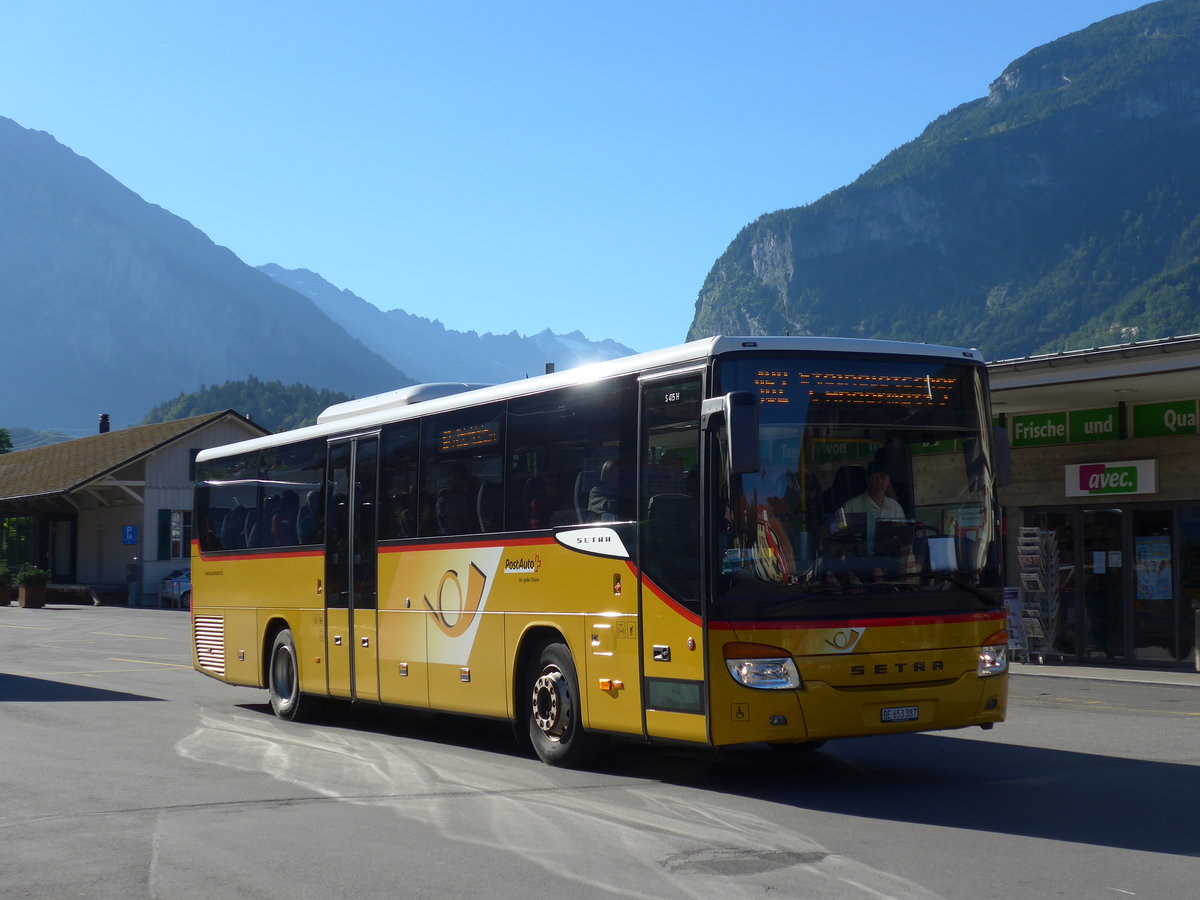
1079, 426
1094, 424
1035, 431
1164, 419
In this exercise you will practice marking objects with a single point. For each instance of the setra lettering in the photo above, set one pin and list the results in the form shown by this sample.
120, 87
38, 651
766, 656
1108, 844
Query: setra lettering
899, 668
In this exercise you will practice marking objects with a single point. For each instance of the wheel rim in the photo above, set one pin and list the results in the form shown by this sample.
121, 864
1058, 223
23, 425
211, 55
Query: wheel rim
283, 673
552, 704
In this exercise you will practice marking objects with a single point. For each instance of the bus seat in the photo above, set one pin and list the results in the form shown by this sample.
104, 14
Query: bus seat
584, 482
489, 504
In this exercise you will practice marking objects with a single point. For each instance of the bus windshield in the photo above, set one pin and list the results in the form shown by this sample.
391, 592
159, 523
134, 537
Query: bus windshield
874, 493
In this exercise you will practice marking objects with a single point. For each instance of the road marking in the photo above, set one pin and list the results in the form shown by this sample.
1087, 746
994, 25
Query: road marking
145, 637
30, 627
89, 673
147, 662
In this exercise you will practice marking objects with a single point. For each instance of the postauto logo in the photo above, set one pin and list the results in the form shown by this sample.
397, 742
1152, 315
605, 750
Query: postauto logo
1101, 478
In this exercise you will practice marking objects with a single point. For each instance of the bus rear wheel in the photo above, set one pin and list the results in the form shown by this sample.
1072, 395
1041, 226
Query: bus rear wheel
554, 712
283, 679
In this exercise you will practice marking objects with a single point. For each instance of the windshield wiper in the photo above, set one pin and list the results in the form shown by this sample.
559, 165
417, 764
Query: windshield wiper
808, 593
967, 586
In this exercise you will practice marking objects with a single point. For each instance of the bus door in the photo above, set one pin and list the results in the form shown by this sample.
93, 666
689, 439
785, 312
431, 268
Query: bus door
669, 558
351, 584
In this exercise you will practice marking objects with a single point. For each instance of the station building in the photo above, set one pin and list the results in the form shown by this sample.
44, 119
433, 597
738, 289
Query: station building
109, 515
1106, 466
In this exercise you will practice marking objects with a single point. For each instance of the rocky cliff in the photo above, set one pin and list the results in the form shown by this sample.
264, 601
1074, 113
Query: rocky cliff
1058, 211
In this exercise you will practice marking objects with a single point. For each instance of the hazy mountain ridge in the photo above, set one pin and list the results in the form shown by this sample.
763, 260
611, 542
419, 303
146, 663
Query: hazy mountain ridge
1059, 211
112, 304
428, 351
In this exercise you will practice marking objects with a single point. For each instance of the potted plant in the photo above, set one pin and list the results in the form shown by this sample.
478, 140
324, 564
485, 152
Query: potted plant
6, 591
32, 583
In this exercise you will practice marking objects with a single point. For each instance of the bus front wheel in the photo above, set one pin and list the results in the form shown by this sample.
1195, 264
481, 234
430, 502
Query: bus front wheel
283, 678
554, 712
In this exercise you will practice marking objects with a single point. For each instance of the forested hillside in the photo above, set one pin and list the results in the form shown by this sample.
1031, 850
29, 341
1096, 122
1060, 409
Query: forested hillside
271, 404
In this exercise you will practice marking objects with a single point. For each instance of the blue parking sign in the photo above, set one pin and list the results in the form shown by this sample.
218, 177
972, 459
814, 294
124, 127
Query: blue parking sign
129, 535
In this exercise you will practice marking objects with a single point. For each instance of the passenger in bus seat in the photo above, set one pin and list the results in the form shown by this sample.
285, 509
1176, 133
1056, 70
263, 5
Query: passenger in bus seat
548, 498
602, 499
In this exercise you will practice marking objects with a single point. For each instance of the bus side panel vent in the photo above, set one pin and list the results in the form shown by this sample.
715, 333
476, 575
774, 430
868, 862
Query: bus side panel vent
210, 643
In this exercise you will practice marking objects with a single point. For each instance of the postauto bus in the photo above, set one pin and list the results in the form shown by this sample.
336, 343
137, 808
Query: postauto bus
770, 539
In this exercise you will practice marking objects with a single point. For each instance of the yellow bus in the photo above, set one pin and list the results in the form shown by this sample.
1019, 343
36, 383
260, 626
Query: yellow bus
737, 540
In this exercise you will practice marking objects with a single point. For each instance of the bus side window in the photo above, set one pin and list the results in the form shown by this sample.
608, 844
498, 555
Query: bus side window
398, 481
559, 443
460, 452
227, 497
292, 512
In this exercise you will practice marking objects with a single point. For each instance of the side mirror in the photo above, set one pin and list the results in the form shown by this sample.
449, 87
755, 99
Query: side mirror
739, 411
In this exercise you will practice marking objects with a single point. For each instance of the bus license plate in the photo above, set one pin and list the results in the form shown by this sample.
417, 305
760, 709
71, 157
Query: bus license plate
899, 714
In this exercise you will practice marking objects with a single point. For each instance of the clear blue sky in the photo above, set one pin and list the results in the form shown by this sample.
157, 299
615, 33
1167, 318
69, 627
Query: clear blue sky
503, 166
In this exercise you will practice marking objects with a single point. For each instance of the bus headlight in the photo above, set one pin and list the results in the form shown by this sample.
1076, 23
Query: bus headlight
763, 667
993, 655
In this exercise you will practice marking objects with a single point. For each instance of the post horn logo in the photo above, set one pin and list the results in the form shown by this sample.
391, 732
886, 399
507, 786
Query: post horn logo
456, 609
844, 639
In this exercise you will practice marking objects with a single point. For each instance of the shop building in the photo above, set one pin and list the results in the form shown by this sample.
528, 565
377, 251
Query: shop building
1106, 470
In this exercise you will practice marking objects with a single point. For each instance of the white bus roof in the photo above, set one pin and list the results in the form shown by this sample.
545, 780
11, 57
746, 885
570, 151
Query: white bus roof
369, 412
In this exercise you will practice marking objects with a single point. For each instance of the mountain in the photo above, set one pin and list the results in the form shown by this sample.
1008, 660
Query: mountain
428, 351
112, 304
1060, 211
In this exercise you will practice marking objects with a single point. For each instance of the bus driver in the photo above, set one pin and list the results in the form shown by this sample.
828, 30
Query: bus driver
875, 503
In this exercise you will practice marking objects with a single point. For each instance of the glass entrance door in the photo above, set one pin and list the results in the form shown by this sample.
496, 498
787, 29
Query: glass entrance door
1103, 568
1154, 598
350, 568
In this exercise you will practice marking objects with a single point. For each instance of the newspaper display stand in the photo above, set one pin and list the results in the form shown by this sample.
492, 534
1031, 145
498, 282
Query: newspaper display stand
1014, 607
1037, 552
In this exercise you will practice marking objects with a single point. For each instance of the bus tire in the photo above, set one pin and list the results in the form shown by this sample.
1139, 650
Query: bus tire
554, 713
283, 679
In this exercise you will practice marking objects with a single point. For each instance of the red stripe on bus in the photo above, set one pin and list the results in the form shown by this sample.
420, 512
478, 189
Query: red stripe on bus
662, 595
467, 545
275, 553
